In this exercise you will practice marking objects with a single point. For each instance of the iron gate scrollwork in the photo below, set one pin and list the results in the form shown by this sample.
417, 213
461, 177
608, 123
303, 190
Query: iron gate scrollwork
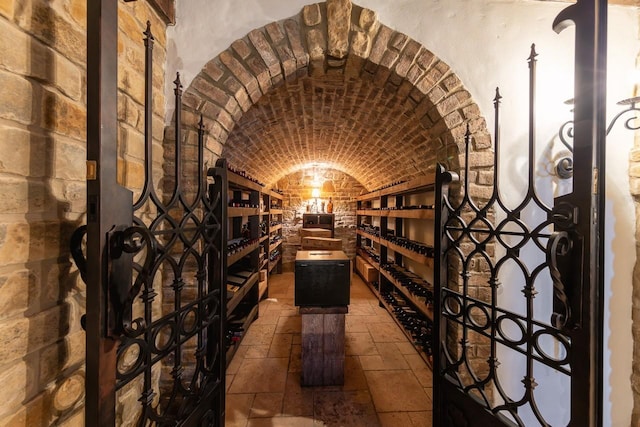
154, 266
520, 287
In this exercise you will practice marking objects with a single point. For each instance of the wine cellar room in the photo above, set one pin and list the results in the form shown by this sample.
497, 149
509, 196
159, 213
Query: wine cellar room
290, 187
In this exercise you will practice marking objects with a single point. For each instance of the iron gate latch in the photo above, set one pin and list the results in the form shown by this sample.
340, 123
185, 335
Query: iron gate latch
564, 253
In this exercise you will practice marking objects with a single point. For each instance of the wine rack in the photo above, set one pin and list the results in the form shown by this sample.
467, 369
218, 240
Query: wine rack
395, 237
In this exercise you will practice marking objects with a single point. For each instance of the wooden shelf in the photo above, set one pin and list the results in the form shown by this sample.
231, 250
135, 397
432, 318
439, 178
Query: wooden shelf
263, 238
421, 306
245, 325
275, 195
373, 288
276, 211
389, 308
369, 211
368, 196
262, 289
367, 258
273, 264
240, 212
421, 259
274, 246
412, 213
240, 293
422, 183
368, 236
275, 228
232, 259
237, 181
372, 212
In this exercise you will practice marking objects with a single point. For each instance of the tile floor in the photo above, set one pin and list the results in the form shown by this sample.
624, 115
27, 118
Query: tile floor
387, 383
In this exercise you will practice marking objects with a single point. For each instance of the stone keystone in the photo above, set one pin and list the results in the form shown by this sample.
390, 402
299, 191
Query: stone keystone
338, 24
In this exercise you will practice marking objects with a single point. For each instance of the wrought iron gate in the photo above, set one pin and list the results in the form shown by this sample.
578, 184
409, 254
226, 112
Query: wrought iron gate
155, 303
553, 333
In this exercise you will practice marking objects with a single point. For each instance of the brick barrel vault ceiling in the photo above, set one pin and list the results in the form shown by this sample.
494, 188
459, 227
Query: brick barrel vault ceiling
350, 125
334, 87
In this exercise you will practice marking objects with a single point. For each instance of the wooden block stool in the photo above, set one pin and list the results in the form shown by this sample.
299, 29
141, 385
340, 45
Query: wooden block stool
323, 345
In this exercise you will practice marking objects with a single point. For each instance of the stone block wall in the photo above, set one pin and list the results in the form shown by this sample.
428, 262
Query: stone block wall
297, 195
42, 188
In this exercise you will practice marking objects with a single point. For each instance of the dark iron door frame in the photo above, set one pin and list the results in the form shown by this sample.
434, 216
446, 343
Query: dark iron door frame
185, 240
571, 237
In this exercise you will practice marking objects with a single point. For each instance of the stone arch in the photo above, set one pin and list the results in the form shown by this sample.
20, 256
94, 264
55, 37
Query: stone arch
344, 47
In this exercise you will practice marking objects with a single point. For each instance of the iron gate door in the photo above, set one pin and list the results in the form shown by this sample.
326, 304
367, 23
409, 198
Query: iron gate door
519, 330
155, 317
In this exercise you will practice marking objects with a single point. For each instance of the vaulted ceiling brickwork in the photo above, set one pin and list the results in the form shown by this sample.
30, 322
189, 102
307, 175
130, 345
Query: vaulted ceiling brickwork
353, 126
336, 88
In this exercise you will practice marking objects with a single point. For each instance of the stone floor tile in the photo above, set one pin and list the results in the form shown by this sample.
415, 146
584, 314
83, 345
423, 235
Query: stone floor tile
270, 318
429, 392
388, 358
420, 369
289, 325
237, 408
386, 332
355, 324
261, 376
377, 318
228, 380
281, 345
265, 391
421, 419
259, 335
238, 357
361, 309
267, 405
295, 359
257, 352
394, 419
354, 378
298, 401
344, 408
289, 312
281, 422
359, 344
397, 391
406, 348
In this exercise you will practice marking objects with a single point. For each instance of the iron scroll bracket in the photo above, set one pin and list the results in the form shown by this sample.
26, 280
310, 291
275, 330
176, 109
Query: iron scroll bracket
559, 245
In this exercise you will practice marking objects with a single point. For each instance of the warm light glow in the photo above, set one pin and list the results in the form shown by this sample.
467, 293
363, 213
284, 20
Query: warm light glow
328, 186
315, 193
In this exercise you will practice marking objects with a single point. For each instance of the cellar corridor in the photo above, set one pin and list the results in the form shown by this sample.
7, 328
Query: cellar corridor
163, 162
387, 383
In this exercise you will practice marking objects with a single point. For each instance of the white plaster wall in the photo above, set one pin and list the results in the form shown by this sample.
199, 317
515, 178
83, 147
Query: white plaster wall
486, 43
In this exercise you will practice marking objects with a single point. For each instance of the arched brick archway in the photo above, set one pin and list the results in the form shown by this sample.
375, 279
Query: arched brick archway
333, 86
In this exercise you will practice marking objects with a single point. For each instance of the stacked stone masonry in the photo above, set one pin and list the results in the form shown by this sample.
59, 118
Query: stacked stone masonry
42, 185
297, 195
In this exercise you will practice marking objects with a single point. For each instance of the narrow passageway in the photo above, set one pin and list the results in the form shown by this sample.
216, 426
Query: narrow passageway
387, 383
